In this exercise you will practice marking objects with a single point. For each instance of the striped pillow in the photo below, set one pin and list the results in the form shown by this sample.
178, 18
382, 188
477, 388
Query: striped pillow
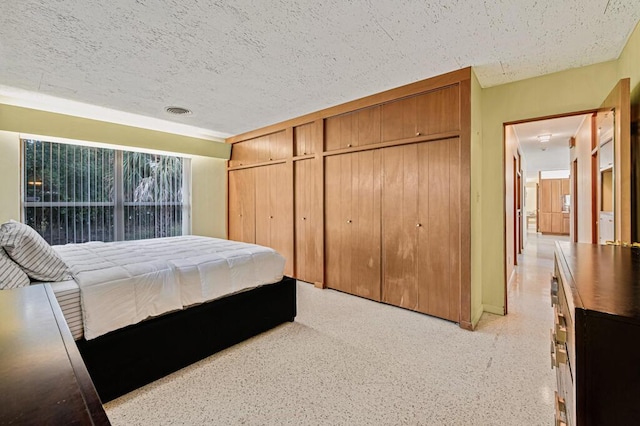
11, 276
34, 255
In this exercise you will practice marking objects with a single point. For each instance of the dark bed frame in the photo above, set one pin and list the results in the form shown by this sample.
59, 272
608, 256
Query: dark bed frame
129, 358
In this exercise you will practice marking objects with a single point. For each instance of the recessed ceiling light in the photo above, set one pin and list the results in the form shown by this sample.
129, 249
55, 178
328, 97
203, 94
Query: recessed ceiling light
175, 110
544, 138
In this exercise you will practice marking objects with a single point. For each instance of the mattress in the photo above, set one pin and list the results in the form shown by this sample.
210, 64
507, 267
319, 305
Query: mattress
123, 283
68, 295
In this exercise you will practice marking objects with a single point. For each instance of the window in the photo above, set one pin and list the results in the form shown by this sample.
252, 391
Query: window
76, 193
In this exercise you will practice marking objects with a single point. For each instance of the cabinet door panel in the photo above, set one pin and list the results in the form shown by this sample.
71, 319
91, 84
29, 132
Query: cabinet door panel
308, 229
337, 229
438, 111
399, 119
545, 222
263, 213
242, 205
302, 139
545, 195
281, 209
435, 269
556, 195
400, 221
365, 224
557, 223
279, 146
368, 121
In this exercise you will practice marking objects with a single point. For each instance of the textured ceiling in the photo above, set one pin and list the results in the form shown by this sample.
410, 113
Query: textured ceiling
245, 64
556, 154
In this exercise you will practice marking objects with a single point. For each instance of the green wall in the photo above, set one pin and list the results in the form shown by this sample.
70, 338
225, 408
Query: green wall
562, 92
208, 164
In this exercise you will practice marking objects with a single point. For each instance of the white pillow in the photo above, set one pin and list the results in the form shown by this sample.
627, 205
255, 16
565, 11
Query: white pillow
11, 276
34, 255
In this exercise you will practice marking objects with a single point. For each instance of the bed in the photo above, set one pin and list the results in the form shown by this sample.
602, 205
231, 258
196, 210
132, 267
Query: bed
143, 309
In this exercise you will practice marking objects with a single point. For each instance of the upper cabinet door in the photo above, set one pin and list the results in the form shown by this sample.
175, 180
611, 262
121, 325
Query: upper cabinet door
399, 119
438, 111
274, 146
361, 127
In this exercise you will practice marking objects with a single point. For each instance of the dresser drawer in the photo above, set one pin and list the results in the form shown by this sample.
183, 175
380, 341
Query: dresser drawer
563, 349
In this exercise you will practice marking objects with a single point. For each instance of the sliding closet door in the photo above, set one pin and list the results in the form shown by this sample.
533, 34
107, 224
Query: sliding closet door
439, 245
352, 223
242, 206
401, 226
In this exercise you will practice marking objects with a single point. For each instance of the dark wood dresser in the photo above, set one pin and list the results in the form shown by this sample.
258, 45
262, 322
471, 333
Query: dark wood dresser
595, 341
43, 380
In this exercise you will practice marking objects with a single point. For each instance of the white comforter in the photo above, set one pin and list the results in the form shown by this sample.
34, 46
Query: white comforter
123, 283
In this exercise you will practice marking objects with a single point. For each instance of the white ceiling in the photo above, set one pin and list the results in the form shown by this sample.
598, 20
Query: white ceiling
556, 152
245, 64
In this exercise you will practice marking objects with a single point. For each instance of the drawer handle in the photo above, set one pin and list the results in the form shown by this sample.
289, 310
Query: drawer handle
560, 327
554, 290
561, 411
558, 353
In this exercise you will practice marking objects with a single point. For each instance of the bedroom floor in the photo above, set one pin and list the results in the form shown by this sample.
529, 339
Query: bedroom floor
347, 360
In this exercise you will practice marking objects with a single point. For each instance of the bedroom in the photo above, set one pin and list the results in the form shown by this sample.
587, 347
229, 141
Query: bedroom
538, 96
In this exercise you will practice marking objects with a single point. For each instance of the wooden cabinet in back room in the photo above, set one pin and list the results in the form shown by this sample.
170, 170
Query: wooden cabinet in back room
352, 223
421, 227
551, 216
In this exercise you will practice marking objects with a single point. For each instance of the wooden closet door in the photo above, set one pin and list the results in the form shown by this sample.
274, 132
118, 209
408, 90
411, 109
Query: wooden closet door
352, 223
308, 242
401, 226
365, 223
274, 211
439, 245
399, 119
242, 206
338, 222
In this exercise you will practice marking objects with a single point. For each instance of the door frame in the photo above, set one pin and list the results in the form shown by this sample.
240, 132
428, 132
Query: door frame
505, 188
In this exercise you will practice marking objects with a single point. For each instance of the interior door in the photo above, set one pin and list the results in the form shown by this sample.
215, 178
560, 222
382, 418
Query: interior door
619, 103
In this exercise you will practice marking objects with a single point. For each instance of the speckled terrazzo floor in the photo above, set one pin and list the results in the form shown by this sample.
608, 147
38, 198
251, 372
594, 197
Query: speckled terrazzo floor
350, 361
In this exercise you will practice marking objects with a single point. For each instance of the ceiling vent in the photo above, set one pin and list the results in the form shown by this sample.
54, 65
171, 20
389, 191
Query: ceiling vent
177, 110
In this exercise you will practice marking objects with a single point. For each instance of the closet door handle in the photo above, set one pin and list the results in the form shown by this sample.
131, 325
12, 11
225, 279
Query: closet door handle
418, 225
349, 221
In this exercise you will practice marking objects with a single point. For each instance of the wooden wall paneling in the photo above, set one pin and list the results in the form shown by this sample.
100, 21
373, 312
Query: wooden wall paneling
399, 119
438, 263
400, 225
242, 205
438, 111
365, 225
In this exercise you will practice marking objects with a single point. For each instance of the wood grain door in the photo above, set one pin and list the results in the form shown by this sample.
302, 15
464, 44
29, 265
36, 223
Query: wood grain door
242, 226
274, 210
421, 227
438, 111
308, 230
439, 236
401, 224
399, 119
352, 223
